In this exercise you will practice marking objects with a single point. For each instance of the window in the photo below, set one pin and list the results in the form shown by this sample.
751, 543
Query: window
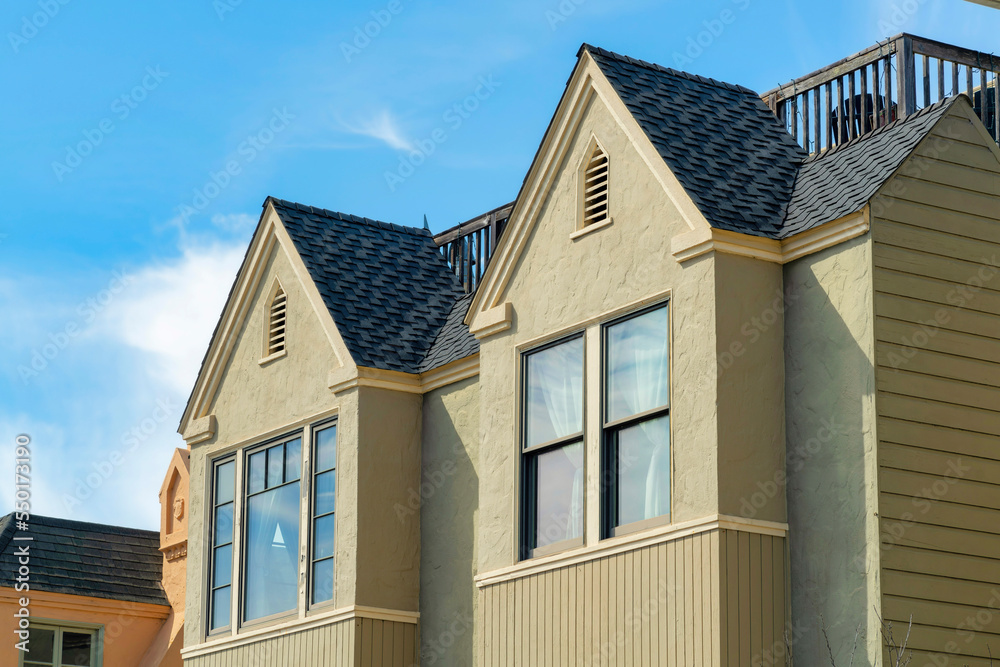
636, 438
324, 506
53, 646
221, 572
552, 448
595, 186
271, 551
276, 323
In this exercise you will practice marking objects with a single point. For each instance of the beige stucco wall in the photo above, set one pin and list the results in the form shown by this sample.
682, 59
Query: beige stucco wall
831, 462
448, 504
559, 282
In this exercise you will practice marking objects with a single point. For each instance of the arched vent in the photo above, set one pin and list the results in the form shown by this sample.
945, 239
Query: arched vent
276, 324
595, 188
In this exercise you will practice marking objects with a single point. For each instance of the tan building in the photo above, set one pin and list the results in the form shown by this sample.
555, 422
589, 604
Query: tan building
729, 387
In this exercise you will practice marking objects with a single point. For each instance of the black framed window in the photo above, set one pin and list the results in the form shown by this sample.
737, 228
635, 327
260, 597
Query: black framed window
271, 533
552, 464
636, 415
221, 559
323, 512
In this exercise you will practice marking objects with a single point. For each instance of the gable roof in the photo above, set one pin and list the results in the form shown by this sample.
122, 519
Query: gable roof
734, 159
388, 287
86, 559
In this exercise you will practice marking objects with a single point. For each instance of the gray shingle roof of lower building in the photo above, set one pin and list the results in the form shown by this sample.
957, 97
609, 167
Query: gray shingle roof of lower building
388, 287
842, 180
454, 341
86, 559
734, 159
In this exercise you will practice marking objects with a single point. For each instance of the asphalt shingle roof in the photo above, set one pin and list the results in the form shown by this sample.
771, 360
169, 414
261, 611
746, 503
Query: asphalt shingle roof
86, 559
388, 287
454, 341
720, 140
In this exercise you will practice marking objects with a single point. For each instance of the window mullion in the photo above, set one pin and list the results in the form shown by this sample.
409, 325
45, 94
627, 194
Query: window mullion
593, 416
305, 520
236, 579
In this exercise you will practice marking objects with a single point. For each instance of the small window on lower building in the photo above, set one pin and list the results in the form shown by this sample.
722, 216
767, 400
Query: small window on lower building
54, 646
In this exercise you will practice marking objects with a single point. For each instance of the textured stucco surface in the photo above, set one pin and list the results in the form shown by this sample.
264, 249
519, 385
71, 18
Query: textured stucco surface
831, 452
751, 366
558, 282
448, 506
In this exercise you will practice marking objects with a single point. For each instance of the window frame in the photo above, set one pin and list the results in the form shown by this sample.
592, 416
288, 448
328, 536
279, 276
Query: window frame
235, 566
610, 430
314, 429
93, 629
527, 499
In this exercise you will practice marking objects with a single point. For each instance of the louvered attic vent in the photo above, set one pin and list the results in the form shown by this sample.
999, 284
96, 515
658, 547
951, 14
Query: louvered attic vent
276, 327
595, 188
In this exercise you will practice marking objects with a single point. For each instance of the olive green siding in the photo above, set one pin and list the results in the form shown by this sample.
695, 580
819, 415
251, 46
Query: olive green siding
714, 598
937, 306
360, 642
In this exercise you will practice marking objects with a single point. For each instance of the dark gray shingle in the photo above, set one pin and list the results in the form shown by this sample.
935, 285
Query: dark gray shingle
454, 341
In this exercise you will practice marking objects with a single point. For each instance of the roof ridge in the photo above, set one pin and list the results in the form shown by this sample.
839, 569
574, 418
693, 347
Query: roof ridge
347, 217
67, 523
946, 102
666, 70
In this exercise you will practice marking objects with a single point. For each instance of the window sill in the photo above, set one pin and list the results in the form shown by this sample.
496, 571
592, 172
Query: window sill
630, 542
591, 228
272, 357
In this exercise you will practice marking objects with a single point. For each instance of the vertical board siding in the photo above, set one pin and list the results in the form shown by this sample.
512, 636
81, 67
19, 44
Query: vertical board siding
351, 643
937, 327
677, 603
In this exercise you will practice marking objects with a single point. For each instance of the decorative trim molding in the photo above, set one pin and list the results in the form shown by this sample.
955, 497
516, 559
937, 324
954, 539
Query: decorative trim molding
630, 542
85, 604
492, 321
686, 247
343, 379
589, 229
200, 430
300, 625
174, 552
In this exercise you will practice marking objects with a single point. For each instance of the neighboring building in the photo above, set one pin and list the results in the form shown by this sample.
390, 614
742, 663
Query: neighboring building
719, 392
98, 596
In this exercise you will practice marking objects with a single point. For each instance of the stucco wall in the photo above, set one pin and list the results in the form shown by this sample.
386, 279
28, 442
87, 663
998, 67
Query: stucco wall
831, 462
448, 503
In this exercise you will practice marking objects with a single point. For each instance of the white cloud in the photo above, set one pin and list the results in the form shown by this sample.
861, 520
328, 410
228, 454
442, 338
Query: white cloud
382, 126
234, 222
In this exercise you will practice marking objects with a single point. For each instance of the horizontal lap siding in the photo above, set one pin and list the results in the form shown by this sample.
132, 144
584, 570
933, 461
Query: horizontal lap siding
352, 643
676, 603
937, 307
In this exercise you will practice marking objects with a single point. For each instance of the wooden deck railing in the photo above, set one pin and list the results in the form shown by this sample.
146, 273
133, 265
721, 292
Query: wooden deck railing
469, 246
890, 80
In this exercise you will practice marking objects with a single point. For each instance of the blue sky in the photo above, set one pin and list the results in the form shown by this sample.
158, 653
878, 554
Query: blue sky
139, 141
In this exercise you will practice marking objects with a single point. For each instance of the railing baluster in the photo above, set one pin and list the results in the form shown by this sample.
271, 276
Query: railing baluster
954, 79
968, 82
996, 107
940, 68
852, 129
841, 110
818, 124
926, 71
864, 101
888, 90
795, 118
805, 121
877, 97
829, 115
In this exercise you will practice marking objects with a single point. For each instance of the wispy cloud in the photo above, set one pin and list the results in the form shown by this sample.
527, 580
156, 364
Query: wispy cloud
382, 126
234, 222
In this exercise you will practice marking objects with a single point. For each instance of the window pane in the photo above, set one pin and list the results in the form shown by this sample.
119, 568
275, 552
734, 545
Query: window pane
638, 365
272, 551
220, 607
42, 641
559, 495
643, 479
224, 524
225, 480
76, 648
322, 581
326, 449
293, 460
257, 468
555, 393
275, 466
222, 573
326, 492
323, 537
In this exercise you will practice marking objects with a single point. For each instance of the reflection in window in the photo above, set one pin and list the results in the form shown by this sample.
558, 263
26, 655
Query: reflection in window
222, 545
324, 506
61, 647
272, 532
553, 445
637, 422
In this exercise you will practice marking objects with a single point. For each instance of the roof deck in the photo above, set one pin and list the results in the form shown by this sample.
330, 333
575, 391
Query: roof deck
888, 81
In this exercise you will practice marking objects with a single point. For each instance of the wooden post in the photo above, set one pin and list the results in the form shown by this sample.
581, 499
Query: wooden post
852, 131
888, 89
925, 63
877, 97
805, 121
996, 109
954, 79
907, 73
940, 67
829, 115
863, 125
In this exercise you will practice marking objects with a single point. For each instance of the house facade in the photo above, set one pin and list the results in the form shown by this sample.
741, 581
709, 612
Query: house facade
727, 390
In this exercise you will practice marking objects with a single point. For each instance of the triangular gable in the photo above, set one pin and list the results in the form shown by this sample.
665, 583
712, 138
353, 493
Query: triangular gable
270, 237
488, 313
